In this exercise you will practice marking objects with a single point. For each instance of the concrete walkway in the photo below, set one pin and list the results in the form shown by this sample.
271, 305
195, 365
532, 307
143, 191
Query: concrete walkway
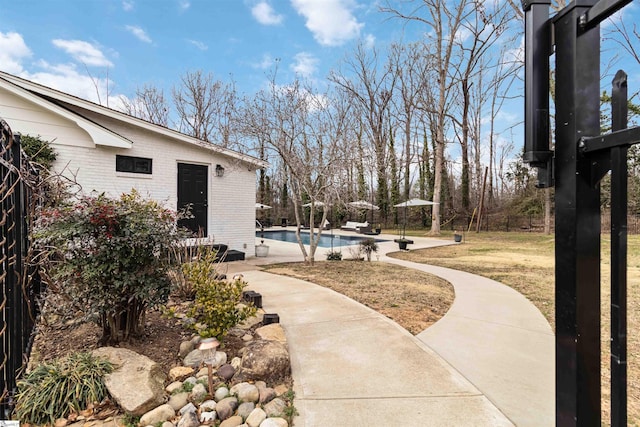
487, 362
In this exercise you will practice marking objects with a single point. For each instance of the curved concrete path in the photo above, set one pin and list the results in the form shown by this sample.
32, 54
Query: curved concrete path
488, 362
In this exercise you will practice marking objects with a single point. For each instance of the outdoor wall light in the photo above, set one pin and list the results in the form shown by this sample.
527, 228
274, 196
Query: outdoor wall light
219, 171
208, 349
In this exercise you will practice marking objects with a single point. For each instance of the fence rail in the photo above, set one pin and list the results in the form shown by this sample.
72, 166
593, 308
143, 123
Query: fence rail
20, 284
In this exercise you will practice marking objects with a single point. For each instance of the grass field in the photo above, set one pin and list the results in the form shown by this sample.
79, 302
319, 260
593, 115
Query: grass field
525, 262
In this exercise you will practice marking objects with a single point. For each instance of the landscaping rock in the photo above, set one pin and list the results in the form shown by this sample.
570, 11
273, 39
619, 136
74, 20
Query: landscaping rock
274, 422
226, 372
208, 417
189, 407
275, 408
190, 419
266, 360
193, 359
256, 417
176, 385
234, 421
180, 373
245, 409
198, 393
158, 415
236, 362
186, 347
164, 424
267, 394
221, 358
226, 407
245, 392
203, 372
137, 384
179, 400
251, 321
221, 393
272, 332
208, 405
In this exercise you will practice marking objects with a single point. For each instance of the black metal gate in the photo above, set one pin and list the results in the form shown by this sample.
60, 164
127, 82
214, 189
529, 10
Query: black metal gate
582, 157
20, 282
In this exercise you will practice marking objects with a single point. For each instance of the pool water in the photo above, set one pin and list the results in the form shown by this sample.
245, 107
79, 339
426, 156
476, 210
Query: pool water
325, 239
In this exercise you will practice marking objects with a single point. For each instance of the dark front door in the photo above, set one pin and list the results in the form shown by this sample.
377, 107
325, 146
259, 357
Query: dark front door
192, 191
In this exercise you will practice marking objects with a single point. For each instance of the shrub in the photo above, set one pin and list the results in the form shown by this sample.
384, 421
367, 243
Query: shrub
54, 390
110, 258
368, 246
38, 150
334, 256
217, 307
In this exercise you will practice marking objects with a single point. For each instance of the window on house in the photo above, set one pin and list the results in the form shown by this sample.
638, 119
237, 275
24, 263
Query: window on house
133, 164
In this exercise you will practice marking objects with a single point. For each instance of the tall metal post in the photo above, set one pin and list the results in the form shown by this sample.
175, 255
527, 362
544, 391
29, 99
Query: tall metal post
577, 213
619, 196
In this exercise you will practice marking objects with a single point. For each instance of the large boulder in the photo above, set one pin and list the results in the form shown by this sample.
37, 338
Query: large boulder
265, 360
137, 383
272, 332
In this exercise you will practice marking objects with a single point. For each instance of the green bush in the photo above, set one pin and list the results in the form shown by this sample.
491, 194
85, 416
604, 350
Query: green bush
38, 150
217, 307
334, 256
110, 258
56, 389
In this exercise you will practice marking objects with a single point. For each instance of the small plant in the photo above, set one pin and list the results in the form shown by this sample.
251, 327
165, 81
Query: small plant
130, 420
184, 255
187, 387
217, 307
368, 247
54, 390
334, 256
289, 411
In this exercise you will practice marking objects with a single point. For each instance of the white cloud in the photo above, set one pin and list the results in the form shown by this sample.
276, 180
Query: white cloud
330, 21
184, 4
66, 78
266, 62
305, 64
127, 5
13, 50
369, 41
198, 44
264, 14
83, 52
139, 33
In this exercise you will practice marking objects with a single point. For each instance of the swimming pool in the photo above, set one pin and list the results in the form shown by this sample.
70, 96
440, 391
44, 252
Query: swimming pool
325, 239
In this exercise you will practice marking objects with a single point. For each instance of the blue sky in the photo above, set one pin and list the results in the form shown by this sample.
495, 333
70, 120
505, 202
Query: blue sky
123, 44
102, 50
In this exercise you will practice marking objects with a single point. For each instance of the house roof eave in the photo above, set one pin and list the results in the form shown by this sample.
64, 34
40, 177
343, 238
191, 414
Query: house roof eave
56, 95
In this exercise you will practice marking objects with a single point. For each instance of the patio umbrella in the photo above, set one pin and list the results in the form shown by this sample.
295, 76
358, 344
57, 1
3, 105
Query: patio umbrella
316, 204
361, 204
410, 203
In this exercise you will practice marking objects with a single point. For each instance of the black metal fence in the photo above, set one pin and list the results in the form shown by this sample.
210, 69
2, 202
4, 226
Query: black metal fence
20, 284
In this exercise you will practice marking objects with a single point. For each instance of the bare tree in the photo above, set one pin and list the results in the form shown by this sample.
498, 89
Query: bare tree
149, 104
411, 69
444, 19
306, 131
370, 84
480, 31
207, 108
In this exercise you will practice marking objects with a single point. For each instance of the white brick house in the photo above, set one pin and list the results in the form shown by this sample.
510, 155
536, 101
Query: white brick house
112, 152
